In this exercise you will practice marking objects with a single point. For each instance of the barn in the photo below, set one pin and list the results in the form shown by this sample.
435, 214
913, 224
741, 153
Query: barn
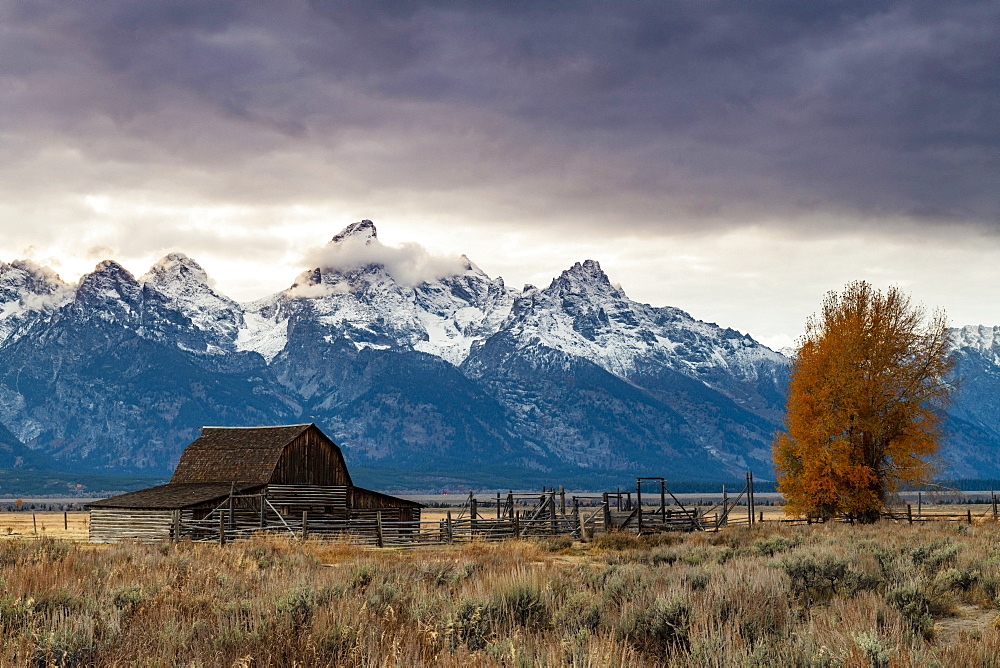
232, 481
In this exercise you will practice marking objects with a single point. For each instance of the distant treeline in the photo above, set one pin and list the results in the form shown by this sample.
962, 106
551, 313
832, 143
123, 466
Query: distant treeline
16, 483
21, 483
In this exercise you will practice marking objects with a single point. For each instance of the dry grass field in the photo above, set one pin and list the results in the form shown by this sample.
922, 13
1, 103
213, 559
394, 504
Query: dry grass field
823, 595
71, 525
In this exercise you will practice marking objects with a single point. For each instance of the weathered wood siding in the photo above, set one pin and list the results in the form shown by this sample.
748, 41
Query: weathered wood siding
365, 504
311, 459
334, 496
113, 525
389, 514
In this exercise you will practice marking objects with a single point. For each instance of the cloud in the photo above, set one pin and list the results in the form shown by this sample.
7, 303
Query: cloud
408, 263
100, 252
686, 117
504, 130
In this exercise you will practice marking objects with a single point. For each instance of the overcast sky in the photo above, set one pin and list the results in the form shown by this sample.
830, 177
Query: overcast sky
734, 159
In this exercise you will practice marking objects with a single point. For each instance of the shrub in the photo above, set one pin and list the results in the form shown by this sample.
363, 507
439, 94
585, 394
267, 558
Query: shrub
521, 602
768, 547
914, 606
14, 613
618, 540
697, 580
874, 649
660, 539
657, 628
934, 556
129, 597
339, 643
468, 625
581, 610
299, 603
954, 579
815, 577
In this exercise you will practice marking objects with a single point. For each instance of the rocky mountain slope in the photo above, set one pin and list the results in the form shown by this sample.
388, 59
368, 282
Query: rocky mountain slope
427, 368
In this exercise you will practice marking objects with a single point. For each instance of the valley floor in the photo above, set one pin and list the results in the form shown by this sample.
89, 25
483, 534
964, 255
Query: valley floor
824, 595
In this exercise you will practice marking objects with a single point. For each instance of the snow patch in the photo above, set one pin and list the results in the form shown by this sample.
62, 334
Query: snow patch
262, 335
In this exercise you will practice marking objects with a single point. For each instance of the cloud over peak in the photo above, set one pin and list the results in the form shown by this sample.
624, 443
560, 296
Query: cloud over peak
408, 263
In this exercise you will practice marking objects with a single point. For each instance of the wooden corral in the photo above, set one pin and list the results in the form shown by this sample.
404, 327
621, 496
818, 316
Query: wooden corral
237, 480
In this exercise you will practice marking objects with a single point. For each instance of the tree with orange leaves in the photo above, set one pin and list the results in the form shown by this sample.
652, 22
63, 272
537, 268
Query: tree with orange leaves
865, 404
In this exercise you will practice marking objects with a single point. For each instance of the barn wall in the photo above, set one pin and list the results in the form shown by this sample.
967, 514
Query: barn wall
366, 503
113, 525
311, 459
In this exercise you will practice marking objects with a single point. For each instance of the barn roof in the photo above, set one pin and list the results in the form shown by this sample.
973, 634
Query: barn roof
241, 454
172, 496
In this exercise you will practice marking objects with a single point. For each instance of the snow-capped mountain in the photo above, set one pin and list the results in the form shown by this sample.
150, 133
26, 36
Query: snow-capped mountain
28, 291
181, 287
584, 316
425, 366
364, 303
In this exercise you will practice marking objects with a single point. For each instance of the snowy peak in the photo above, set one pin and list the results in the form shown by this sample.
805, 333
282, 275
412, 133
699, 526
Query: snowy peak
24, 276
582, 314
363, 231
979, 337
175, 268
109, 280
28, 291
586, 275
369, 295
978, 341
178, 284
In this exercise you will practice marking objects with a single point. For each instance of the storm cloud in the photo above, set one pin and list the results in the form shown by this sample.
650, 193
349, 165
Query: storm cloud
212, 125
664, 112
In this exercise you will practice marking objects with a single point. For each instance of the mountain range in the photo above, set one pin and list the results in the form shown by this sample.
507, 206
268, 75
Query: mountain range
430, 371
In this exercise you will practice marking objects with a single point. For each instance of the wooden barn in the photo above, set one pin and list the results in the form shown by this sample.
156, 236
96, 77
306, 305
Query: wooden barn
233, 481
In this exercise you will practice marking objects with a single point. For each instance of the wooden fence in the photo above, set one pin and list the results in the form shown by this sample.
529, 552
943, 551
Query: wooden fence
322, 514
520, 515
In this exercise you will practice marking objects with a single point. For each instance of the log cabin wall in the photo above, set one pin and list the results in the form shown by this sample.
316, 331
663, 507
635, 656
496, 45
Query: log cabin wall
311, 459
365, 502
113, 525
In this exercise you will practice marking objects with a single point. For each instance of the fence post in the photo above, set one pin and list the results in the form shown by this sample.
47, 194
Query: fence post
607, 514
724, 520
473, 513
65, 521
305, 524
638, 518
34, 523
552, 513
994, 495
968, 514
753, 501
920, 504
447, 521
222, 526
379, 538
581, 522
175, 525
510, 502
498, 505
517, 526
749, 502
909, 513
638, 499
663, 501
562, 500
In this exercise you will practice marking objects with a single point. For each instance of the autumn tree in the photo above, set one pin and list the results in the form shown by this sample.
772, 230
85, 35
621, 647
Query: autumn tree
865, 404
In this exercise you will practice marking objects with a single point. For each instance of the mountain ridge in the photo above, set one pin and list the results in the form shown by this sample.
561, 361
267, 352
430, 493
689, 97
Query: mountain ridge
408, 361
